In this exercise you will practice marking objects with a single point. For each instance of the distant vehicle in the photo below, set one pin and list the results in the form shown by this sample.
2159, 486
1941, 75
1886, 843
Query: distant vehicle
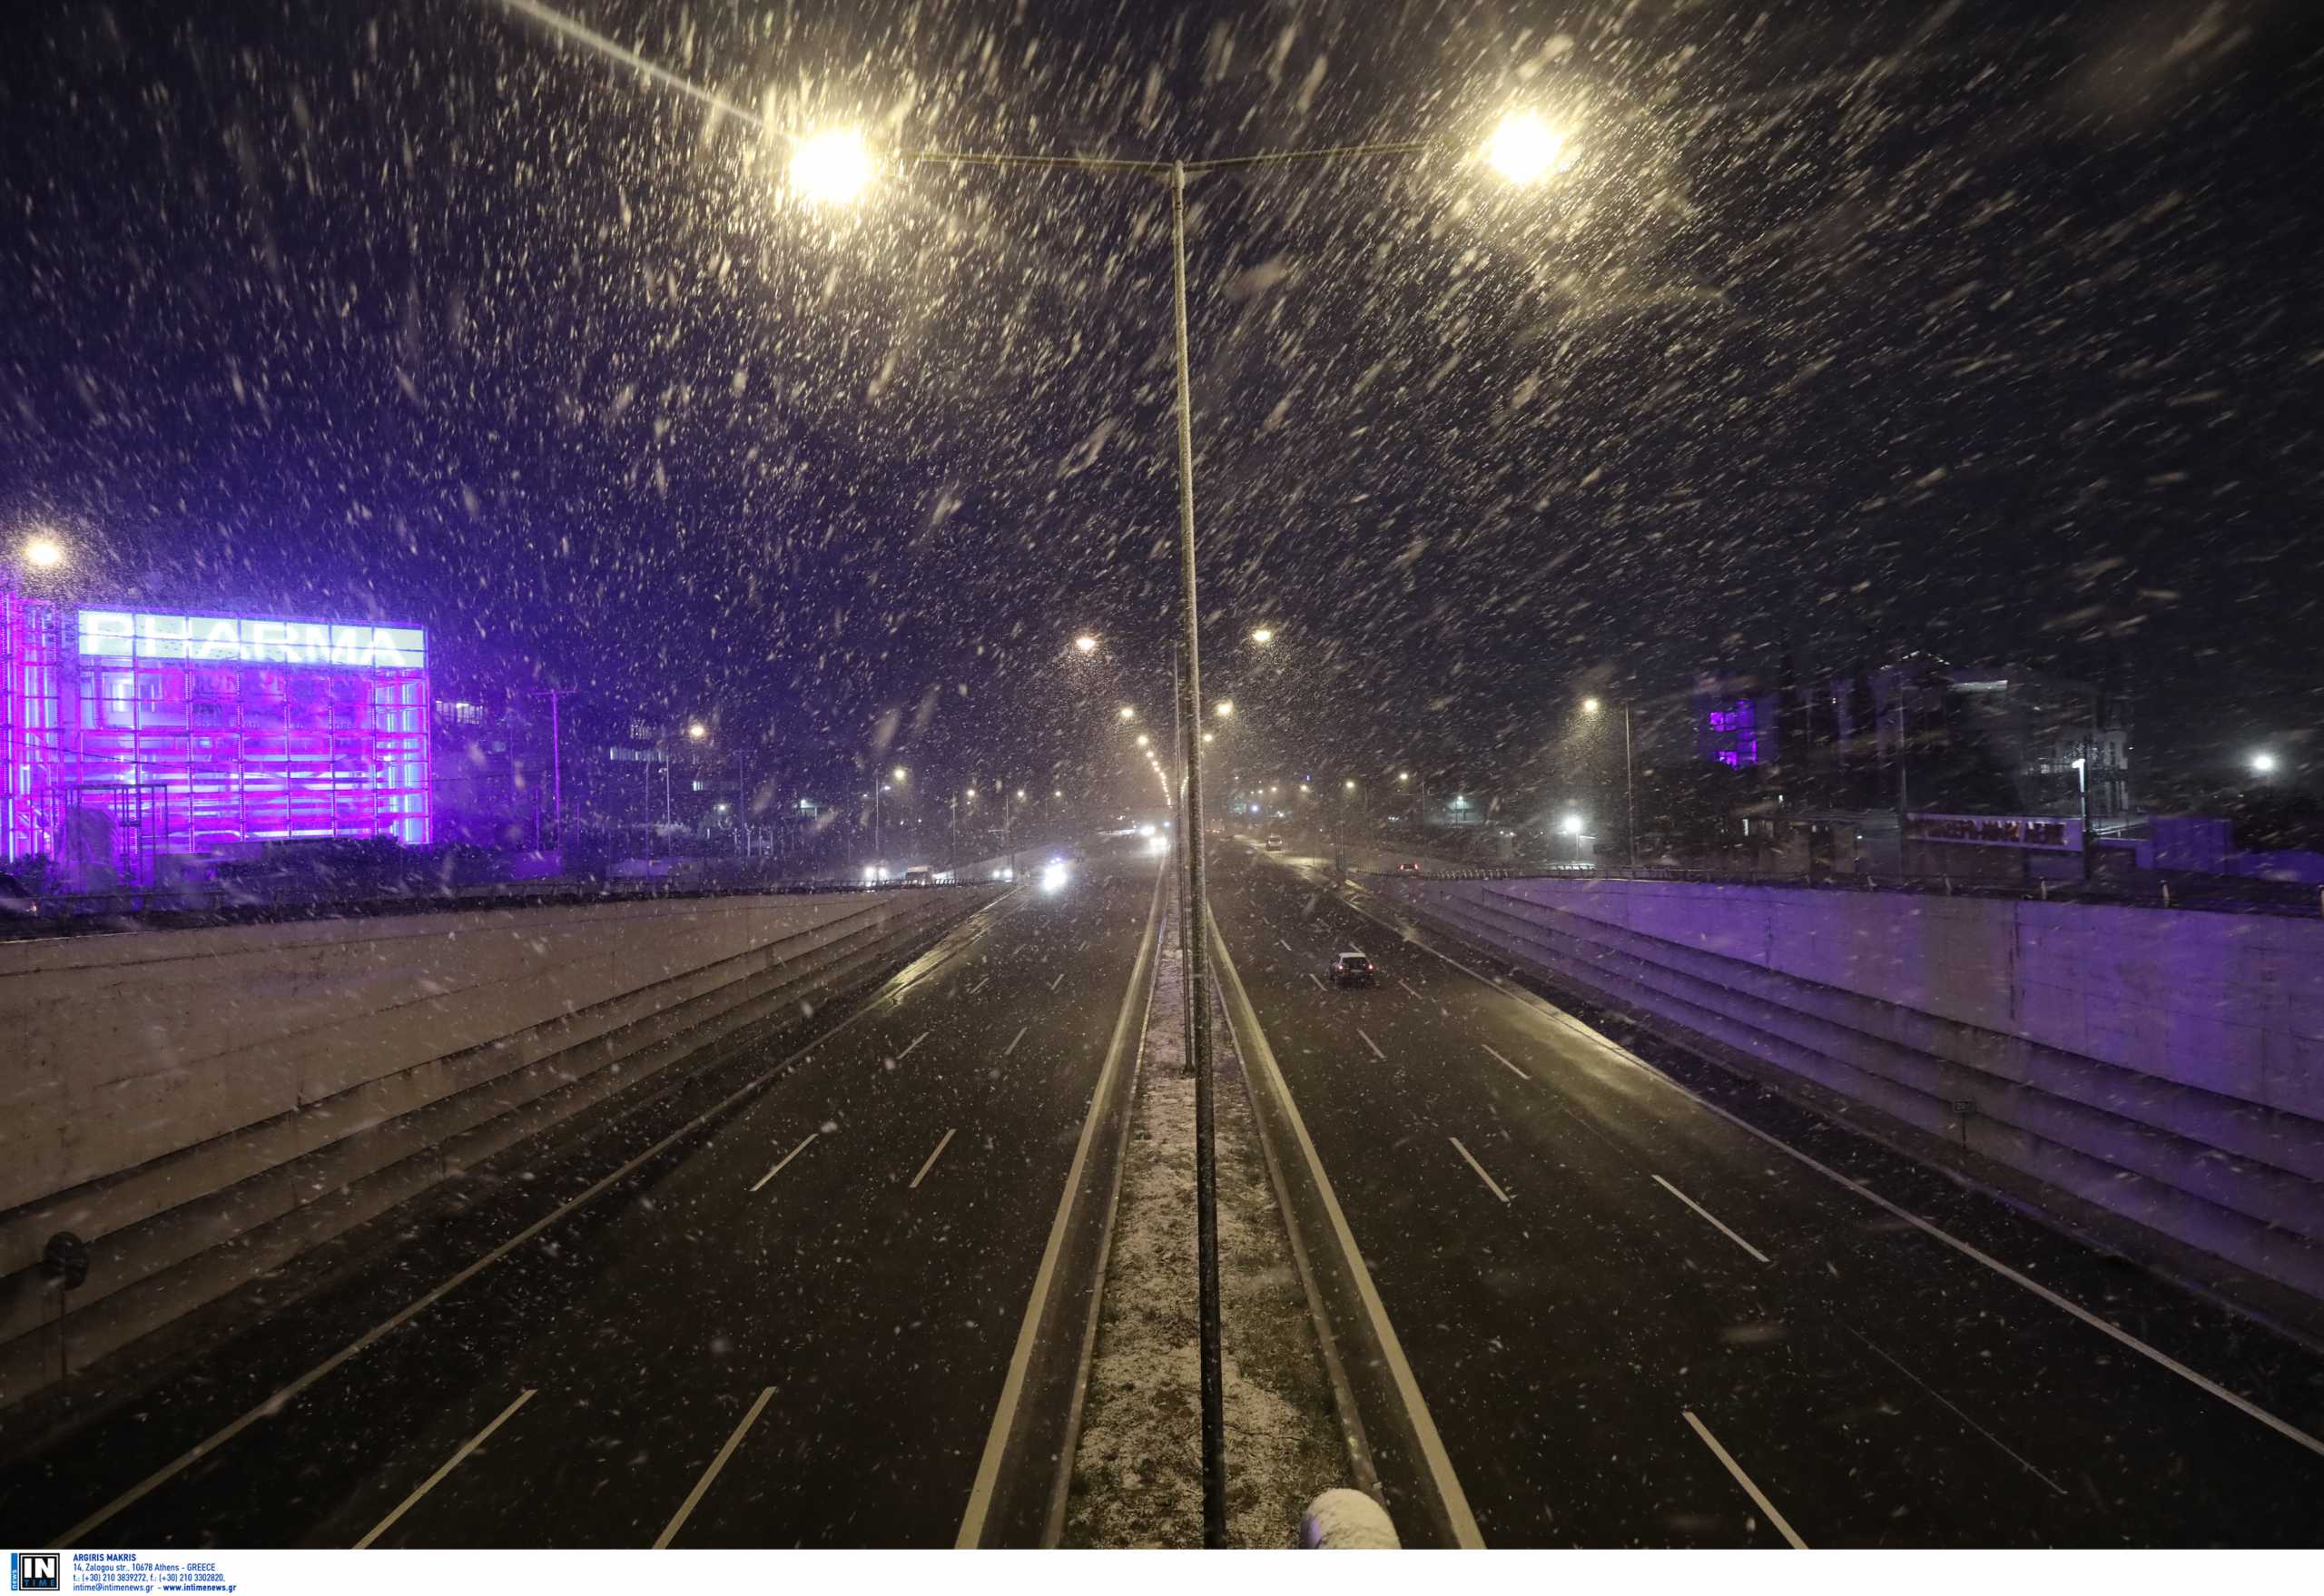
1352, 969
15, 902
1274, 845
1408, 868
919, 875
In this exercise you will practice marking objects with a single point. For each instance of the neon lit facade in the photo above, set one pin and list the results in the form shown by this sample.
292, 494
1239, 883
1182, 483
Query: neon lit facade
132, 736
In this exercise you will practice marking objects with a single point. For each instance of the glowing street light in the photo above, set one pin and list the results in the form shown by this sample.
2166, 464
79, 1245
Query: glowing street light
1525, 147
43, 553
1086, 644
899, 774
1589, 706
2263, 763
1209, 737
1351, 786
696, 731
1263, 635
831, 168
1126, 712
1226, 708
1570, 825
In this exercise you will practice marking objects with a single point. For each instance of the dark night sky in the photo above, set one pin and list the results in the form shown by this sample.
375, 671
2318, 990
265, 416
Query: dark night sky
1853, 327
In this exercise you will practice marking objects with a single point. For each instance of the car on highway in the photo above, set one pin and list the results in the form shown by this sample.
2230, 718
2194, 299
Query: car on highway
15, 901
1408, 868
1274, 845
1354, 968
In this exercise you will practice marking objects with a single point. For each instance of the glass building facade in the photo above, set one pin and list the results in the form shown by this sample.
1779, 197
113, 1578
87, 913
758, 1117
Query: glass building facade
135, 738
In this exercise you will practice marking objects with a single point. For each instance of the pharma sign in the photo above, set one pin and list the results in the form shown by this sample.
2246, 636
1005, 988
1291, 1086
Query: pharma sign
1996, 830
250, 640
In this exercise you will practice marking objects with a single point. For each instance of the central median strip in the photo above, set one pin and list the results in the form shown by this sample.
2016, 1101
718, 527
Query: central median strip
1138, 1470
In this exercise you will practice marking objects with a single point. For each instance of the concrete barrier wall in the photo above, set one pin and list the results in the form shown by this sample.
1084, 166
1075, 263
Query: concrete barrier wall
199, 1106
2166, 1067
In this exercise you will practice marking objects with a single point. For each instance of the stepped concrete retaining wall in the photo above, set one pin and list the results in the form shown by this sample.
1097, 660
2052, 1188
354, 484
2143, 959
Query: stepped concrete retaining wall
2166, 1067
200, 1106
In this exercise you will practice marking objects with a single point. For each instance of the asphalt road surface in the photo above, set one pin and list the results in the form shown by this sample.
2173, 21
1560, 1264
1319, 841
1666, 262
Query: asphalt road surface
790, 1328
1636, 1323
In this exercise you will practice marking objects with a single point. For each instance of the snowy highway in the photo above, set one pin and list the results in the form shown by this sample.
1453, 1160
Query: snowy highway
1638, 1319
786, 1321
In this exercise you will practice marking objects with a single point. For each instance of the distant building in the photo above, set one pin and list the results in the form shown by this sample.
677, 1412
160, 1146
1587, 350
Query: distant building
139, 741
1734, 723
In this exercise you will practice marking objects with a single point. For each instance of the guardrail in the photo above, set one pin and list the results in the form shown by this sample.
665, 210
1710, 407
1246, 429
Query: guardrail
2156, 889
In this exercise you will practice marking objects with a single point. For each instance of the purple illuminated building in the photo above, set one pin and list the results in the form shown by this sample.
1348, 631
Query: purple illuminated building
1734, 726
137, 739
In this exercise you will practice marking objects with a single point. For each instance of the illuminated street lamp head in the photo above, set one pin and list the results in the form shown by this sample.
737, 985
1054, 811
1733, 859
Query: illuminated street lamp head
898, 773
1403, 775
1209, 737
43, 553
1524, 148
1570, 825
1589, 706
831, 168
1263, 635
1351, 786
1226, 708
1020, 794
2263, 763
1126, 712
1086, 644
1143, 739
696, 731
1057, 793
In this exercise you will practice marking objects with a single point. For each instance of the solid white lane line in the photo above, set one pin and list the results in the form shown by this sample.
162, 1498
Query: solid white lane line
685, 1508
1518, 1073
1744, 1480
1714, 1224
1957, 1414
924, 1169
1015, 1039
454, 1461
1558, 1017
1480, 1169
910, 1045
1060, 976
1372, 1045
793, 1153
1317, 980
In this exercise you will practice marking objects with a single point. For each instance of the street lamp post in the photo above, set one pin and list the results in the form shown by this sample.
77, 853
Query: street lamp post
836, 167
1590, 706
